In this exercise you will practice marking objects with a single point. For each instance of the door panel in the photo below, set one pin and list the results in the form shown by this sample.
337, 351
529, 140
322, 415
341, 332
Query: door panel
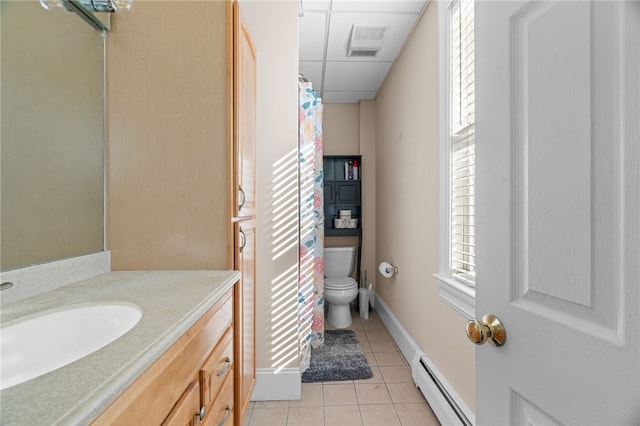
329, 193
245, 117
565, 221
557, 159
347, 192
245, 324
244, 212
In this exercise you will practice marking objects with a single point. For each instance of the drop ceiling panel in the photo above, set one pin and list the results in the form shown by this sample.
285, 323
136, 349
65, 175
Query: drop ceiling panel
400, 26
313, 72
311, 40
355, 76
377, 6
331, 97
343, 79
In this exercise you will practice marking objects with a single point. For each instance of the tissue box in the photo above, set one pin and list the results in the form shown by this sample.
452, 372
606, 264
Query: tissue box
345, 223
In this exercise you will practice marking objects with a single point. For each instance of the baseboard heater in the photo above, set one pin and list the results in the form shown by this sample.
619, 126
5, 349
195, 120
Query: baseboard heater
444, 406
447, 405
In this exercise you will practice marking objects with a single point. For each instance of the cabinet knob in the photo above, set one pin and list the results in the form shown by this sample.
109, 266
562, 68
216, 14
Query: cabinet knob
202, 413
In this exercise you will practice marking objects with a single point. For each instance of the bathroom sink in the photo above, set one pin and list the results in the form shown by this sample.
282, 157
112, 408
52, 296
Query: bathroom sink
36, 345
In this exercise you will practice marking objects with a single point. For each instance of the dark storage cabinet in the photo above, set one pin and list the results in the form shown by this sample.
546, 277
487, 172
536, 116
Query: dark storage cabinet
343, 193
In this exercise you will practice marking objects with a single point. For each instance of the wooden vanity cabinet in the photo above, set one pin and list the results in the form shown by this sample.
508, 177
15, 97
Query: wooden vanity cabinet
181, 152
194, 376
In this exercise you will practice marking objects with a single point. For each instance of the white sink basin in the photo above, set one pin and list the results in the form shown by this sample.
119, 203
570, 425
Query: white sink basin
45, 342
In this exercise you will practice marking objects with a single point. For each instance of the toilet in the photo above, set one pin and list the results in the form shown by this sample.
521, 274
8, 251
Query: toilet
339, 288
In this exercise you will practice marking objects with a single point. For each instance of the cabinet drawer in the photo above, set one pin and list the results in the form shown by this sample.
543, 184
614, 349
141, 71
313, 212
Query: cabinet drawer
216, 368
222, 411
185, 412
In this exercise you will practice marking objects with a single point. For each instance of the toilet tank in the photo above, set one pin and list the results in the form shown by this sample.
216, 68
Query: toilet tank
338, 261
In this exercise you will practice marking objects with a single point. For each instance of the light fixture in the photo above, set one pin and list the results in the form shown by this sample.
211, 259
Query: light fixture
109, 6
86, 8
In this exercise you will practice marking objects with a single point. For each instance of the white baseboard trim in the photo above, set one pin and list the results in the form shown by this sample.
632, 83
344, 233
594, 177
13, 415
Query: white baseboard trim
407, 345
277, 384
413, 354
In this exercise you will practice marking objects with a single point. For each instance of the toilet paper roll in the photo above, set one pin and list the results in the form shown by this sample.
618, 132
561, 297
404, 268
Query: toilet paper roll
386, 269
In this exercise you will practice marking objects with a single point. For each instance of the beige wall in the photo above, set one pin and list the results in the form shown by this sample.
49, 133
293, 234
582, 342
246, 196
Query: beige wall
276, 145
168, 144
341, 129
368, 151
407, 207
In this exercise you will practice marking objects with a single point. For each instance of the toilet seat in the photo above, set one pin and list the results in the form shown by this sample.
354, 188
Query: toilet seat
339, 283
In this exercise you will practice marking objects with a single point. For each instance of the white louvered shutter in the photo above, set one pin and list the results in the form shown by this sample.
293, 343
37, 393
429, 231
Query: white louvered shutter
462, 101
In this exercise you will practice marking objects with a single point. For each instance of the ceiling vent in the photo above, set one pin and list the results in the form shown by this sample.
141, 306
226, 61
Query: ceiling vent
366, 40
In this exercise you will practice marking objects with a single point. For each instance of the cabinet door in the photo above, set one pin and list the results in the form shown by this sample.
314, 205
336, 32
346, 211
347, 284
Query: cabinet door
245, 261
329, 193
347, 192
244, 118
186, 412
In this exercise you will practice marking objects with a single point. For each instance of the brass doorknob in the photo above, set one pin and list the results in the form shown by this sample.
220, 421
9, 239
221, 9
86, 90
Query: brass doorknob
490, 329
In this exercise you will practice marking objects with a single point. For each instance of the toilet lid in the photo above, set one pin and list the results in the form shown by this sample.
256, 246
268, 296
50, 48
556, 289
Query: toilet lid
339, 283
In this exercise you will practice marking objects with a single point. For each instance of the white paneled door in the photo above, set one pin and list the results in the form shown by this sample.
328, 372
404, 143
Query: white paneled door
558, 211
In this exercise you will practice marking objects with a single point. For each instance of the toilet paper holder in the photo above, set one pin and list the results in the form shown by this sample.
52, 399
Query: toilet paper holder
387, 269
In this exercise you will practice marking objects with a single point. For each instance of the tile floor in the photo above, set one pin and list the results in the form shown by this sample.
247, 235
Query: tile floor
389, 398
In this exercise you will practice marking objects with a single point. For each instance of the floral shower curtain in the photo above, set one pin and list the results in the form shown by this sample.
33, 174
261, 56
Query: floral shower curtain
311, 280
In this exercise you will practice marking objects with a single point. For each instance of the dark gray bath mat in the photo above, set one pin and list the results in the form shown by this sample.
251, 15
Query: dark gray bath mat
340, 358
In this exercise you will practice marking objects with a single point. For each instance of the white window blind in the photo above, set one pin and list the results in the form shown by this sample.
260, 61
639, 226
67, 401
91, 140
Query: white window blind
462, 136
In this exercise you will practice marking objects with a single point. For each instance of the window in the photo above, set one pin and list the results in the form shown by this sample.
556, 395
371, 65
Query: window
456, 276
462, 136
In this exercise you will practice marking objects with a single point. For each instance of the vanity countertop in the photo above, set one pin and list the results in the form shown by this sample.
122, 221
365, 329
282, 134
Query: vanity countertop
171, 301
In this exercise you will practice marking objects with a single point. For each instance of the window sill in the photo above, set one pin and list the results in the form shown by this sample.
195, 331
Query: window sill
459, 296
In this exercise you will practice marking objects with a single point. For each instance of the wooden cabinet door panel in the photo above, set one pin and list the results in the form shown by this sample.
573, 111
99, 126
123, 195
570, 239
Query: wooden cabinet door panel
244, 212
245, 313
186, 412
245, 118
